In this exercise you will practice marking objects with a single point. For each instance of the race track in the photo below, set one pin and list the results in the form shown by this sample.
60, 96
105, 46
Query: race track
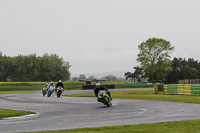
67, 113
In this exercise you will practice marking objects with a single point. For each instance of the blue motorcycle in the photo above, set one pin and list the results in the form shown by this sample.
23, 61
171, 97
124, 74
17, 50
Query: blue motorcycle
50, 91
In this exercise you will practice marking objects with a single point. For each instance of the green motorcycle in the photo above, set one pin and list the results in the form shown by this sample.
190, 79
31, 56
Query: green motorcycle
44, 91
104, 98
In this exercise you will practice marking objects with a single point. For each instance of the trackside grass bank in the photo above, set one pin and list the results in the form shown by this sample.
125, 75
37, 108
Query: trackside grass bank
146, 95
16, 87
4, 113
165, 127
120, 86
22, 87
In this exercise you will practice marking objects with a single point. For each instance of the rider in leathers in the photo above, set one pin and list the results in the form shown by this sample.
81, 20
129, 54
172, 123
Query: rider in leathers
99, 87
59, 84
51, 84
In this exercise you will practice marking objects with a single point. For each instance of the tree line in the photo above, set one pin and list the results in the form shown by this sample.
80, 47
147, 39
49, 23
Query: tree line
33, 68
156, 65
181, 69
91, 77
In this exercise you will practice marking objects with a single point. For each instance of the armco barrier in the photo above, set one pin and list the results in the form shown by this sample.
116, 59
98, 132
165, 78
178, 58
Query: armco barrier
86, 87
182, 89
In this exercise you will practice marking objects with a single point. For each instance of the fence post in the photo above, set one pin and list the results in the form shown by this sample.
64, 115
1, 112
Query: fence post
156, 89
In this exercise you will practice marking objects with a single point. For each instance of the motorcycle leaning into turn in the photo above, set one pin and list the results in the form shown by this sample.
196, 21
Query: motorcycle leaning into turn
104, 98
44, 91
59, 91
50, 91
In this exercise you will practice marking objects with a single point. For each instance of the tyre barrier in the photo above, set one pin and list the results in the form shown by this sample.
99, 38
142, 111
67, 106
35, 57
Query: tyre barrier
86, 87
142, 83
181, 89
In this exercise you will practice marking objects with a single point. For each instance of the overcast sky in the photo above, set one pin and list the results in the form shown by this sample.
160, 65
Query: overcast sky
98, 35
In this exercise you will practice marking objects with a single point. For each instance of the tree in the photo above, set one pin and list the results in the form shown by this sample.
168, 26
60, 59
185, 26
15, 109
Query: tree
19, 72
174, 75
111, 78
33, 68
138, 73
189, 72
7, 68
194, 64
91, 77
129, 75
82, 76
52, 67
183, 69
65, 70
153, 53
161, 70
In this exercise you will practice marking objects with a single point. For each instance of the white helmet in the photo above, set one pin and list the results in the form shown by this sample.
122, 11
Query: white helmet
98, 84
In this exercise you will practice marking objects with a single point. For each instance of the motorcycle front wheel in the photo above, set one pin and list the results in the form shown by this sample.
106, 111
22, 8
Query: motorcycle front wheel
107, 101
58, 95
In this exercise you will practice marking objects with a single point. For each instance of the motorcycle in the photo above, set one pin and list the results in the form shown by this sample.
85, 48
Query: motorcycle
50, 91
44, 91
59, 91
104, 98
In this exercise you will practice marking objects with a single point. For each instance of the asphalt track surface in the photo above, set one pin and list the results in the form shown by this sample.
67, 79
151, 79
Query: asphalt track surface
68, 113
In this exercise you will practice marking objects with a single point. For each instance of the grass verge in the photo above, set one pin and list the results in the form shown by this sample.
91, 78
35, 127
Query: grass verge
120, 86
146, 95
5, 113
9, 92
164, 127
30, 88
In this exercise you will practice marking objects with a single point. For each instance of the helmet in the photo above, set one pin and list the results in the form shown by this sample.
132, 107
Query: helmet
60, 81
51, 82
98, 84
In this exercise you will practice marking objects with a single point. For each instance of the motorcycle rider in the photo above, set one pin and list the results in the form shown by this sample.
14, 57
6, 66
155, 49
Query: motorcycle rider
51, 84
99, 87
44, 89
46, 86
59, 84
